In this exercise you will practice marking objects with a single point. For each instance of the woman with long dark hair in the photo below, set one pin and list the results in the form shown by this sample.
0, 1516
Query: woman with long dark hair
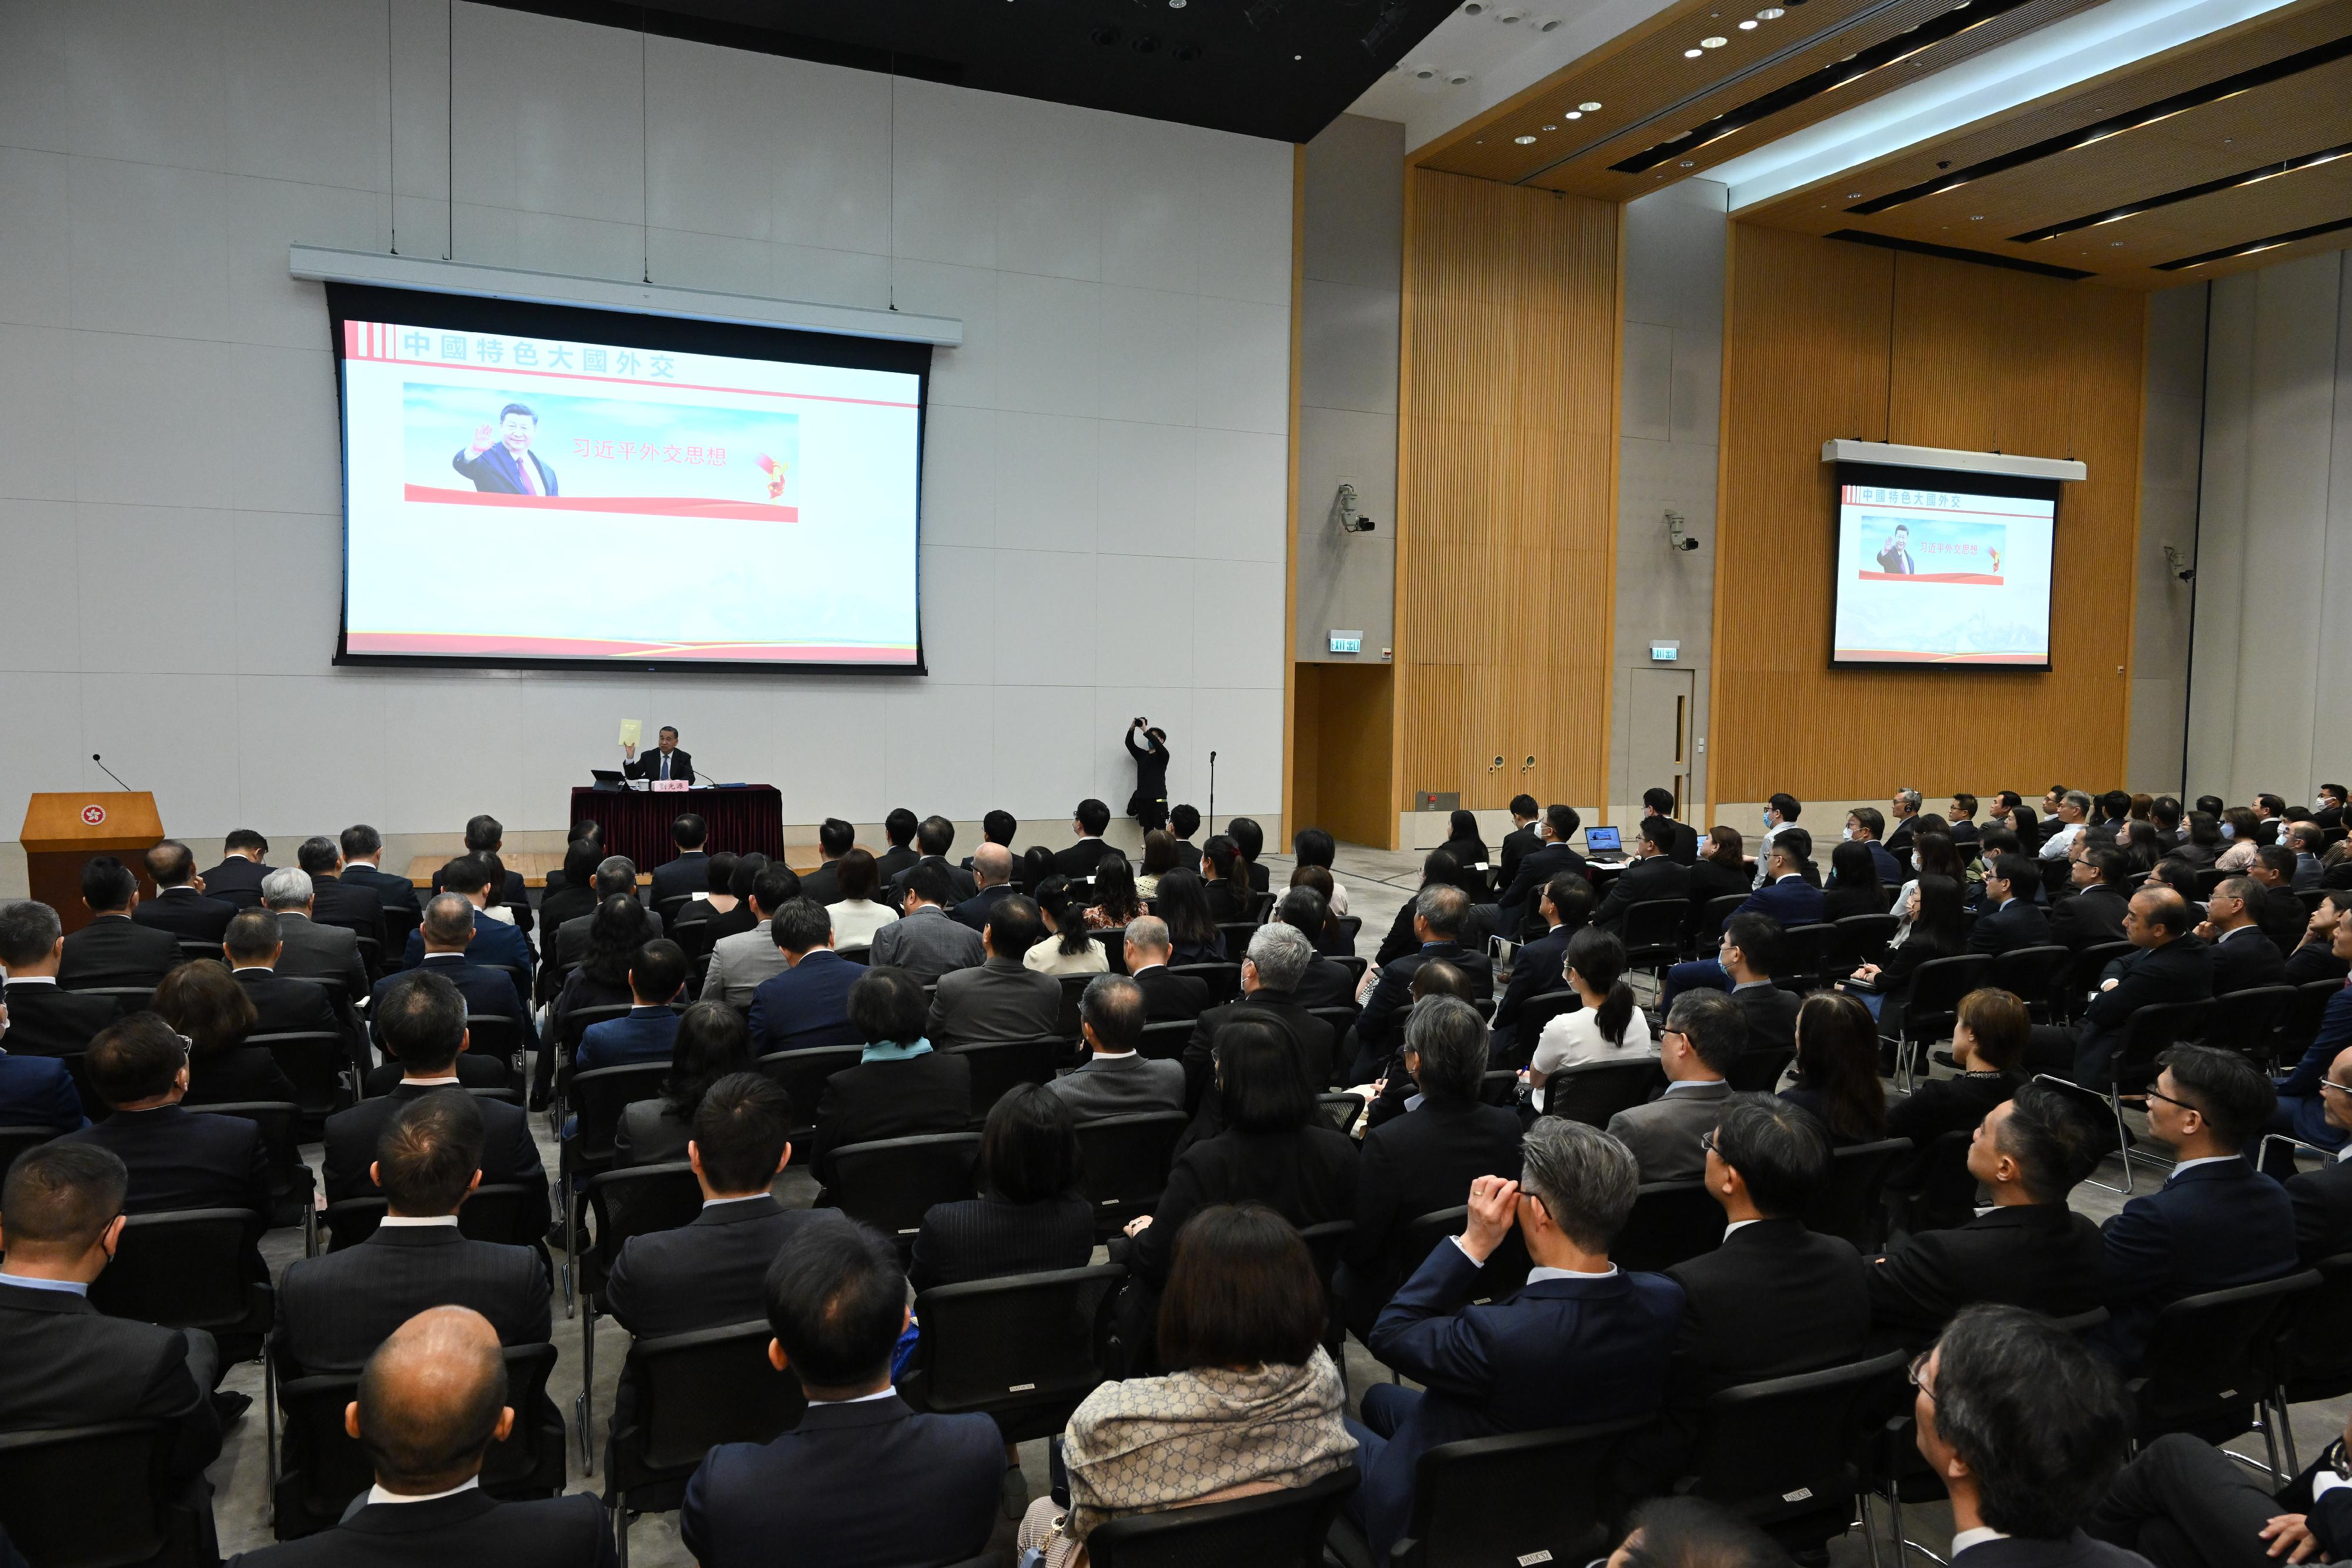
1193, 933
1837, 1067
1607, 1027
1934, 933
1117, 900
712, 1041
619, 927
1159, 859
1226, 878
1469, 852
1069, 948
1853, 885
1030, 1216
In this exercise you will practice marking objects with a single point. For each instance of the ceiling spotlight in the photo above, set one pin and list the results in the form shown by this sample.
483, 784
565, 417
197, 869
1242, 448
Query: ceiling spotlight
1713, 43
1176, 4
1474, 8
1748, 27
1525, 141
1547, 24
1688, 164
1690, 53
1573, 114
1589, 105
1452, 79
1853, 195
1424, 73
1976, 217
1551, 127
1509, 17
1770, 13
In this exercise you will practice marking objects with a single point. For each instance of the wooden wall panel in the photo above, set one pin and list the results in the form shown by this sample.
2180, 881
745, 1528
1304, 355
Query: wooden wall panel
1342, 737
1824, 338
1507, 498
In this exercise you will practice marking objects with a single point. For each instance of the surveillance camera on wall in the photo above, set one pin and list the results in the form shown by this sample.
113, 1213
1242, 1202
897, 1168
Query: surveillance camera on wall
2178, 564
1343, 508
1675, 538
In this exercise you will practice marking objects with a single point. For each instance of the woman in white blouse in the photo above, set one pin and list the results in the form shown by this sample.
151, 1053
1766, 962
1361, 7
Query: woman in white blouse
857, 917
1071, 950
1608, 1027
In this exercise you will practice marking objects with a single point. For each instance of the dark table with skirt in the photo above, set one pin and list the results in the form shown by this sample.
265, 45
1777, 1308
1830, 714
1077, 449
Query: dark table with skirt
636, 822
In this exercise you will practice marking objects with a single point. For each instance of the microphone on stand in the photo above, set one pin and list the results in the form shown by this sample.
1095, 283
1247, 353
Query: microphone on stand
1213, 790
109, 772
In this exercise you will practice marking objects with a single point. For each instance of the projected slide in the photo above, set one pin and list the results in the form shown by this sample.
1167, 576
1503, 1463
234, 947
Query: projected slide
1942, 576
517, 497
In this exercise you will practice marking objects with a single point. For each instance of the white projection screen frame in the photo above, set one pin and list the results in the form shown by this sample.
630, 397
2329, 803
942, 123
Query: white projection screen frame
530, 485
1941, 568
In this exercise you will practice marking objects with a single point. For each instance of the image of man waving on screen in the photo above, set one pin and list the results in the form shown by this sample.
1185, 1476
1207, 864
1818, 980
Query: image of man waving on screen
501, 460
1896, 557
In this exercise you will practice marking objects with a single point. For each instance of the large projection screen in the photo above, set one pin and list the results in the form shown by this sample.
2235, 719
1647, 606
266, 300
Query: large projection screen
542, 485
1940, 567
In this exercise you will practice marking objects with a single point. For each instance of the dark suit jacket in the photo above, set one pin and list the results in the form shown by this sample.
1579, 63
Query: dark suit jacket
1653, 876
2244, 959
1167, 996
648, 766
1557, 1352
2207, 1228
2079, 1550
1324, 984
2323, 1211
186, 1159
887, 864
237, 881
869, 1485
1380, 1026
470, 1530
683, 877
973, 911
2179, 971
116, 950
321, 952
1837, 903
1000, 1000
1940, 1106
1518, 844
2043, 1256
1312, 1037
48, 1020
1414, 1165
1306, 1175
496, 470
2092, 916
1711, 881
647, 1034
495, 942
240, 1074
986, 1238
807, 1004
1082, 859
1771, 1015
288, 1007
186, 913
1792, 900
1684, 850
2020, 922
357, 909
926, 1093
392, 891
1899, 837
509, 1154
334, 1309
1517, 897
707, 1273
958, 878
63, 1364
38, 1091
489, 993
1535, 969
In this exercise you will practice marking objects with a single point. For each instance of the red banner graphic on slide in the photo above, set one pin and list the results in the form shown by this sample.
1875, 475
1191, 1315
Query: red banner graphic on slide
1912, 656
648, 506
466, 644
1984, 578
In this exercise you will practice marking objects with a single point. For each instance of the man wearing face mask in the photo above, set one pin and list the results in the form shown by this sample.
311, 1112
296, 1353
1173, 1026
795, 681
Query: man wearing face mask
1780, 812
2328, 806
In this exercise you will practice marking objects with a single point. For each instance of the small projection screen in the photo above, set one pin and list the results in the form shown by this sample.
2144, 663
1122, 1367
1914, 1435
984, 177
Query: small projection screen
535, 486
1941, 566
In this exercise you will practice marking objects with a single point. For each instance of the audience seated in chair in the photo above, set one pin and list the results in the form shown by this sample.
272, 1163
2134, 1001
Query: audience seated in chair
1000, 1000
2095, 915
934, 838
862, 1481
2168, 964
1247, 1402
1988, 1036
858, 914
2216, 1222
1583, 1342
2302, 1109
180, 906
307, 948
114, 949
2184, 1503
281, 1005
1113, 1079
1566, 905
494, 941
615, 875
1604, 1025
991, 877
1789, 899
38, 1091
362, 849
1327, 982
177, 1158
1836, 1071
1279, 956
1439, 911
214, 1014
2244, 956
2024, 1427
1168, 998
685, 872
2028, 1250
901, 1086
447, 928
1067, 946
1030, 1217
44, 1019
333, 901
1530, 872
807, 1003
1653, 873
926, 941
334, 1311
1703, 1035
656, 978
2323, 1198
431, 1400
237, 879
2312, 956
742, 961
712, 1041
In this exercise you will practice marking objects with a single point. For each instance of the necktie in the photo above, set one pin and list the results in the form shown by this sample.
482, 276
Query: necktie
530, 475
665, 759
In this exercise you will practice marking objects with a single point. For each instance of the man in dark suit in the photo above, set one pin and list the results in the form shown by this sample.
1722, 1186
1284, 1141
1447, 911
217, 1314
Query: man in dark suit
1167, 998
2029, 1250
1327, 982
2102, 878
2307, 1107
37, 1091
2182, 1503
334, 901
312, 951
1864, 825
2244, 958
283, 1005
1904, 809
710, 1272
423, 1022
432, 1399
499, 460
447, 929
495, 941
1521, 842
362, 855
1583, 1342
237, 879
2010, 919
1750, 951
992, 878
1277, 955
686, 872
1002, 999
613, 874
114, 949
180, 906
901, 1087
666, 762
1115, 1079
1538, 868
1081, 859
2171, 964
2216, 1222
484, 837
648, 1030
808, 1004
924, 940
332, 1311
1702, 1037
934, 837
1653, 873
1894, 559
834, 839
1961, 820
2323, 1198
43, 1019
177, 1158
1683, 846
1438, 913
898, 827
1184, 822
2024, 1427
862, 1480
1784, 898
62, 1364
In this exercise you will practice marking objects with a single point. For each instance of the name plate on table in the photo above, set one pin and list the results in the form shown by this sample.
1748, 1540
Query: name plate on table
661, 785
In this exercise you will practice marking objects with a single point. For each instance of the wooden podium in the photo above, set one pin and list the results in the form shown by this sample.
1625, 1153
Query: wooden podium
62, 831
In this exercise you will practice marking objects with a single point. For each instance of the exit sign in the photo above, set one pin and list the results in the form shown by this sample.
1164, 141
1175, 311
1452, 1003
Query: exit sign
1347, 642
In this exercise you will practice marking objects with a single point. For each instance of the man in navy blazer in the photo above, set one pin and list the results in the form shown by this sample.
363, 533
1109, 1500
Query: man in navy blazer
862, 1481
1785, 896
992, 873
177, 1158
2217, 1221
656, 978
808, 1004
447, 931
2169, 966
1566, 904
362, 850
1584, 1341
495, 941
179, 906
496, 459
37, 1091
2008, 918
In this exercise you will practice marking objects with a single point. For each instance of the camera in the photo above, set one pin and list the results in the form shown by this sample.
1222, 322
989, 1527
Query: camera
2178, 564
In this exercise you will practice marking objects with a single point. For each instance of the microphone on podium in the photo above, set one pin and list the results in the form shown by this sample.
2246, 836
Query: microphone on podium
109, 772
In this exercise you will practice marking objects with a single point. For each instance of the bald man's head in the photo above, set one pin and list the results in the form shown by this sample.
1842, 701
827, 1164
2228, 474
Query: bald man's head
2156, 916
992, 865
432, 1399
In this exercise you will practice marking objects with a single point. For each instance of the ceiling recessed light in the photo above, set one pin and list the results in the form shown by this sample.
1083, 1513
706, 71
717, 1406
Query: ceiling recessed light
1298, 56
1424, 73
1747, 26
1687, 163
1573, 114
1551, 127
1853, 195
1976, 217
1690, 53
1770, 13
1525, 141
1547, 24
1455, 79
2116, 244
1713, 43
1589, 105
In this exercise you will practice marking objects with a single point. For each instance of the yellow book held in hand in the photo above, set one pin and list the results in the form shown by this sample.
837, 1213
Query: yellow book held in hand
631, 731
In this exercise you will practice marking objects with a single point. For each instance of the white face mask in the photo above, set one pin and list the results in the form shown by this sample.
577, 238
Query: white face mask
1770, 819
1846, 834
2228, 830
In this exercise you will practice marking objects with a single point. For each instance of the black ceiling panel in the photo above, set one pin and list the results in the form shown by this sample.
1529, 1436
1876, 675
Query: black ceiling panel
1278, 68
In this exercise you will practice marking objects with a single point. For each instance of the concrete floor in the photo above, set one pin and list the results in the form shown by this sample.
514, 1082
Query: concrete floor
1378, 881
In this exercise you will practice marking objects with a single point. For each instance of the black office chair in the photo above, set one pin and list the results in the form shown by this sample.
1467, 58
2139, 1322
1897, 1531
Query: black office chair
1124, 1163
292, 1182
187, 1268
126, 998
1653, 934
191, 950
1165, 1041
636, 1201
1223, 980
2206, 1368
1940, 1193
1506, 1269
1273, 1529
1863, 939
1339, 1111
1354, 963
801, 1074
1023, 1349
2311, 1352
100, 1496
571, 1027
1807, 954
319, 1063
998, 1065
1758, 1071
1932, 1006
1850, 1204
1782, 1452
2247, 1021
2299, 1027
667, 908
1593, 1091
1066, 1021
1671, 1221
1237, 935
1528, 1497
1535, 1015
1707, 919
2035, 976
891, 1183
506, 1212
682, 1396
2089, 965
